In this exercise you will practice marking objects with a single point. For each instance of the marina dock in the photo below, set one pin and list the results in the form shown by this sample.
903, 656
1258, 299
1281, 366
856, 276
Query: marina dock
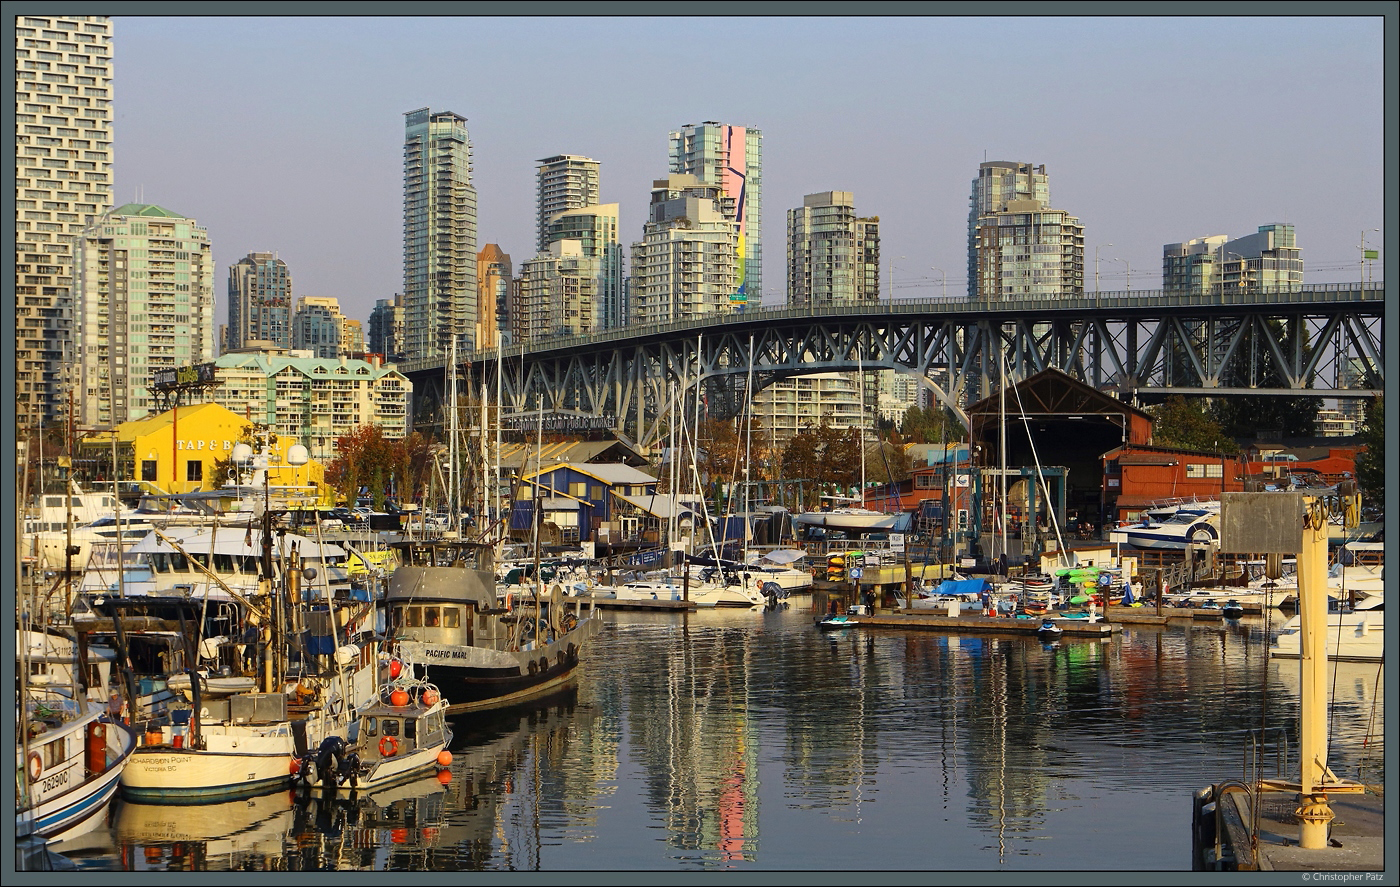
931, 621
1357, 841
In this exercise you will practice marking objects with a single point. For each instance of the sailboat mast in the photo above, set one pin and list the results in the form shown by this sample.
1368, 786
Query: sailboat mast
748, 444
452, 499
1001, 509
860, 424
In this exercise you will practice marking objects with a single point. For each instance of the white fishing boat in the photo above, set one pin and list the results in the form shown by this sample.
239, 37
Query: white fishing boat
395, 737
244, 744
444, 614
70, 753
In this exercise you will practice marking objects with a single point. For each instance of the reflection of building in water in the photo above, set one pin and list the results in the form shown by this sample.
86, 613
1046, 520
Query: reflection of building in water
691, 727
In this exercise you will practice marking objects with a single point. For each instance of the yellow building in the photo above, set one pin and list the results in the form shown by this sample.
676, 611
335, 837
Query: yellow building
187, 450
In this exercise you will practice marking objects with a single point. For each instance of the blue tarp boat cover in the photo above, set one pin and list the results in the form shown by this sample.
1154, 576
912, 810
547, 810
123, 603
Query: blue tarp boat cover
961, 586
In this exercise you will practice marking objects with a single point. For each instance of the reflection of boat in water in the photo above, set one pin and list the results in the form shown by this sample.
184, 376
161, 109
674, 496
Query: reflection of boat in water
222, 830
1355, 636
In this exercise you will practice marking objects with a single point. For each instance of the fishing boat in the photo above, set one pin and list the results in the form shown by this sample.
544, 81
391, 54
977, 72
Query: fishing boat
243, 745
398, 736
444, 616
70, 752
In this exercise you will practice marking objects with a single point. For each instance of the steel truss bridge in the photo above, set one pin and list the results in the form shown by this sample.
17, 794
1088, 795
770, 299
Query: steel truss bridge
1322, 340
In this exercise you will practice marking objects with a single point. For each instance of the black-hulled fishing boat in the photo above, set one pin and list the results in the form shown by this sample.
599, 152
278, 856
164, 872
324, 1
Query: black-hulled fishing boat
448, 626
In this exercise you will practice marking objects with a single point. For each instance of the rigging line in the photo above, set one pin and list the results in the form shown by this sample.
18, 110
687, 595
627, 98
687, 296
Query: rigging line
1041, 475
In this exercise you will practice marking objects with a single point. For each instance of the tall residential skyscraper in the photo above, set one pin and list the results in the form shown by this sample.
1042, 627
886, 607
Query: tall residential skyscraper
1017, 245
732, 158
998, 182
833, 255
595, 228
566, 181
259, 302
145, 302
1193, 266
686, 264
439, 235
63, 183
492, 294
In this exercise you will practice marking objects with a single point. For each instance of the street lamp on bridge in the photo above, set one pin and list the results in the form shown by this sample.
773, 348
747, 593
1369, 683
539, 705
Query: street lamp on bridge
945, 279
1096, 265
1130, 272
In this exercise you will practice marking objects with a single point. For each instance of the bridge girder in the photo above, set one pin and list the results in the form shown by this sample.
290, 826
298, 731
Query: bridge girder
1323, 341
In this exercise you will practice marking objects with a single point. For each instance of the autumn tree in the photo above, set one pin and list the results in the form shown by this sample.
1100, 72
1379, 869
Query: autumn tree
1186, 424
363, 458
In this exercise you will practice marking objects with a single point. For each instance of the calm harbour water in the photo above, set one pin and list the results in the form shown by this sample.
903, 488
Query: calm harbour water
751, 741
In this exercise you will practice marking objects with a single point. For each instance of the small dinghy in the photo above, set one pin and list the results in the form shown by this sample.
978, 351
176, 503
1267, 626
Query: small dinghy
835, 623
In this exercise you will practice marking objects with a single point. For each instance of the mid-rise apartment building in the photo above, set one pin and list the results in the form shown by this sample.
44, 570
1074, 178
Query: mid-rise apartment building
145, 302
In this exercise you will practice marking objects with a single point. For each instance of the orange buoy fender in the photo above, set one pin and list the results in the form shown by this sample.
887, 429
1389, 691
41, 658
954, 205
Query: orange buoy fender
444, 758
398, 699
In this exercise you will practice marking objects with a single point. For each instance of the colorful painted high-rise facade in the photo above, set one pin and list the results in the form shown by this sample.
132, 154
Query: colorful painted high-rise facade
63, 183
731, 157
439, 235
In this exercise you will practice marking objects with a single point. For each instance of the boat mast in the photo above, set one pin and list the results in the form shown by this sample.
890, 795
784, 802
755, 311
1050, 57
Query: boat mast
860, 423
748, 447
452, 501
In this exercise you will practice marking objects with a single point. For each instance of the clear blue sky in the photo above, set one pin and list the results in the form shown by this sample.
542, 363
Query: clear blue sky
286, 134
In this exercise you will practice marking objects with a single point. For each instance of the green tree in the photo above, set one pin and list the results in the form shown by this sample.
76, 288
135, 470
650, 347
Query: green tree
930, 424
1370, 462
1186, 424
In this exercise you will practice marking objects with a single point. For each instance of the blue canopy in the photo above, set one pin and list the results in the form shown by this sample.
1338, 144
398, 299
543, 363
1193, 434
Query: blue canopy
961, 586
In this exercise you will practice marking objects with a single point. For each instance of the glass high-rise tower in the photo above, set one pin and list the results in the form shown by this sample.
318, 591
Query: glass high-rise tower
731, 157
439, 235
259, 302
833, 254
566, 181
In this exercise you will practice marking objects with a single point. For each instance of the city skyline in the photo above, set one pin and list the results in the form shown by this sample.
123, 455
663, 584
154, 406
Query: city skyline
1133, 138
